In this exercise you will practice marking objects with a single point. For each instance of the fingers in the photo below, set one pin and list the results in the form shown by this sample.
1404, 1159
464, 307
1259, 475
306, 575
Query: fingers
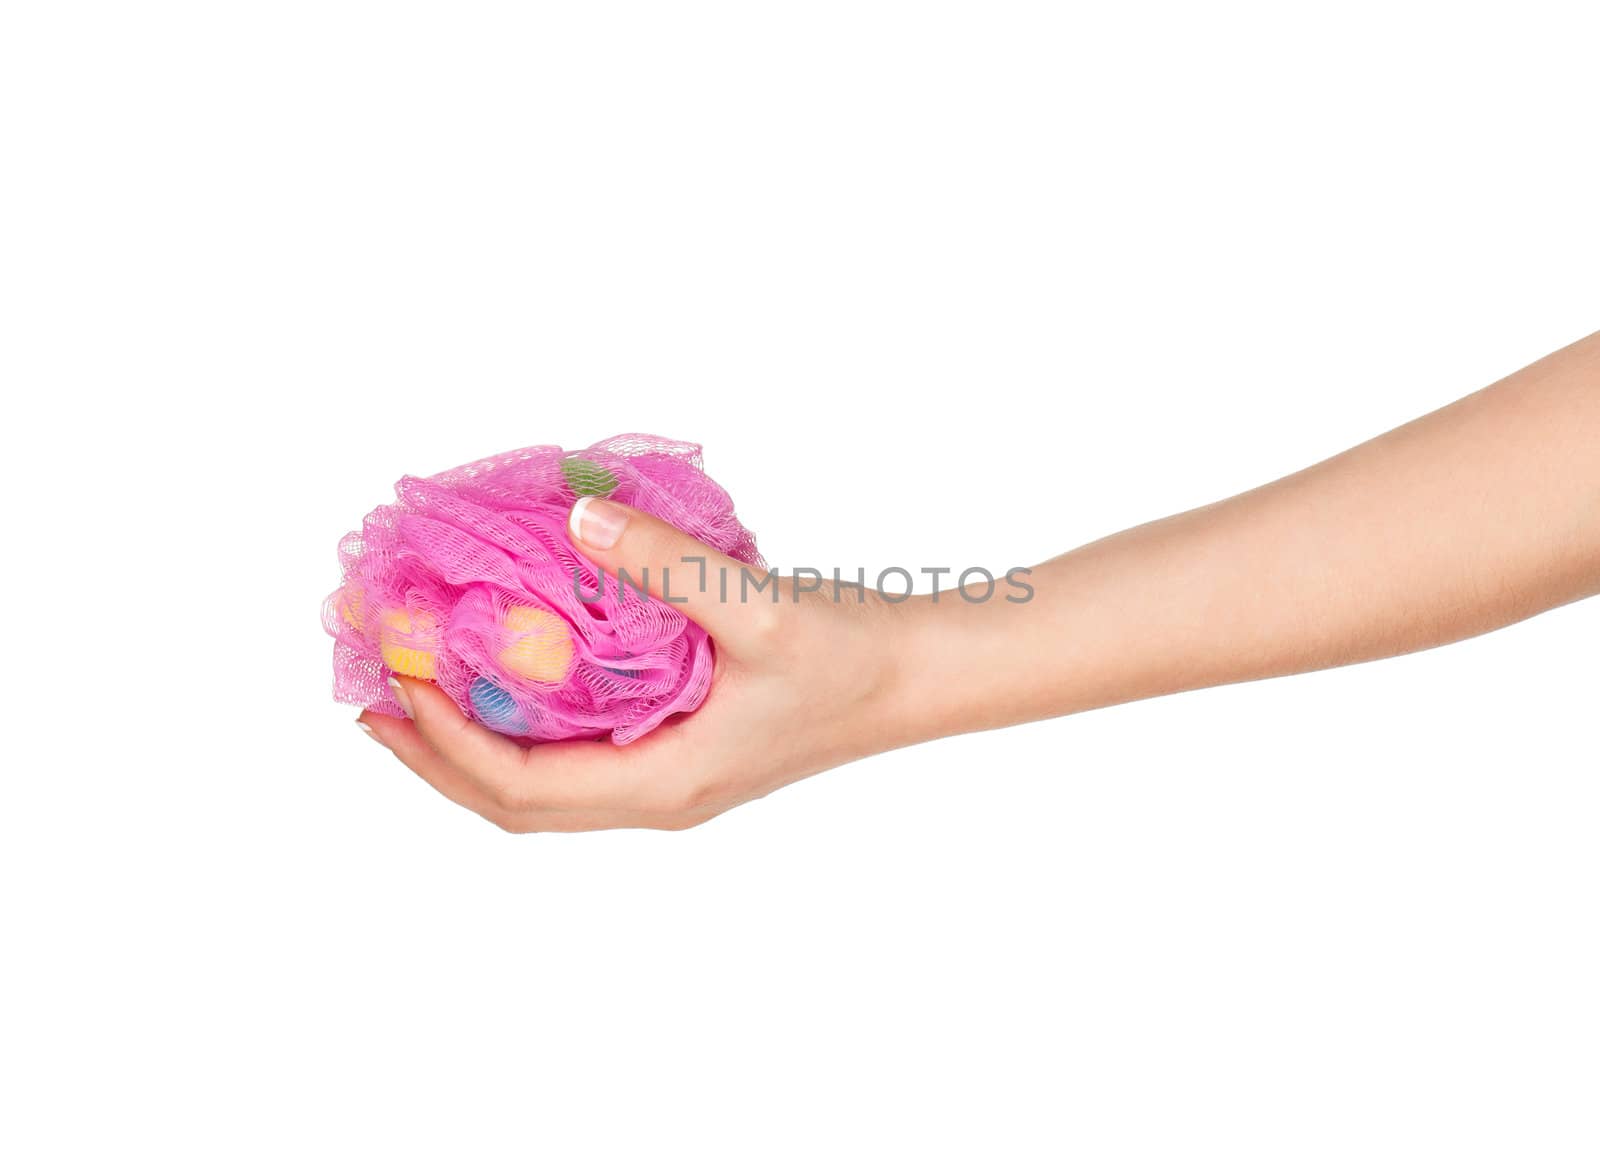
535, 788
401, 738
464, 744
717, 592
502, 808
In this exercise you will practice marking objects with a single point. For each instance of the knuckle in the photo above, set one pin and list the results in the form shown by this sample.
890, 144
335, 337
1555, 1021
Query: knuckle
509, 798
510, 823
766, 626
677, 800
455, 734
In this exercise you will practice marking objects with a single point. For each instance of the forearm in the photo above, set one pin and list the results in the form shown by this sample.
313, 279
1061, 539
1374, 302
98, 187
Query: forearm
1470, 518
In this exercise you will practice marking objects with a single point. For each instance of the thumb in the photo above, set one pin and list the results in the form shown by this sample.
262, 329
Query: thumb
716, 591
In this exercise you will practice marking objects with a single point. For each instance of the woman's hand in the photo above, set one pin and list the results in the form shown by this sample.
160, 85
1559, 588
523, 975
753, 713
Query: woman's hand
803, 682
1458, 523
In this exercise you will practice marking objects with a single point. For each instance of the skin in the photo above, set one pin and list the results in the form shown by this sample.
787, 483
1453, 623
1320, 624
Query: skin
1468, 519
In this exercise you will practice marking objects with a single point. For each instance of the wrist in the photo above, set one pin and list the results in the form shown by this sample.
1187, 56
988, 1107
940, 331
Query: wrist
937, 685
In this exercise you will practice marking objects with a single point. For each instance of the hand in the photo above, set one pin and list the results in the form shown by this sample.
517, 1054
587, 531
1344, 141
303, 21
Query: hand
1480, 514
802, 683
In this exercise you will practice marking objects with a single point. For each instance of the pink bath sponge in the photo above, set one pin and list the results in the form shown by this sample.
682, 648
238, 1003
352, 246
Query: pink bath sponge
469, 580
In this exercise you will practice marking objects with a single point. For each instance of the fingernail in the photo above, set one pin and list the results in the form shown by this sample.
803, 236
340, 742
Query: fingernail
370, 732
401, 695
597, 523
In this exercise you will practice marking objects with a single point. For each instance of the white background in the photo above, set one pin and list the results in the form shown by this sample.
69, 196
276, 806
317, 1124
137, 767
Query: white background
934, 284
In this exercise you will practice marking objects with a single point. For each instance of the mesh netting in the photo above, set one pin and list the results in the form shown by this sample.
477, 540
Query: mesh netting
469, 580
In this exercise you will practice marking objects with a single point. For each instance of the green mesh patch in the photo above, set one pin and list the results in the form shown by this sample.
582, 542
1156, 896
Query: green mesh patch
587, 478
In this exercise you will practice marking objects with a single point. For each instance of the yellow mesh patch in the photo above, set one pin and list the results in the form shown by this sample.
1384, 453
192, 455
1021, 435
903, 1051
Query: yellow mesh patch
352, 606
540, 647
403, 632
